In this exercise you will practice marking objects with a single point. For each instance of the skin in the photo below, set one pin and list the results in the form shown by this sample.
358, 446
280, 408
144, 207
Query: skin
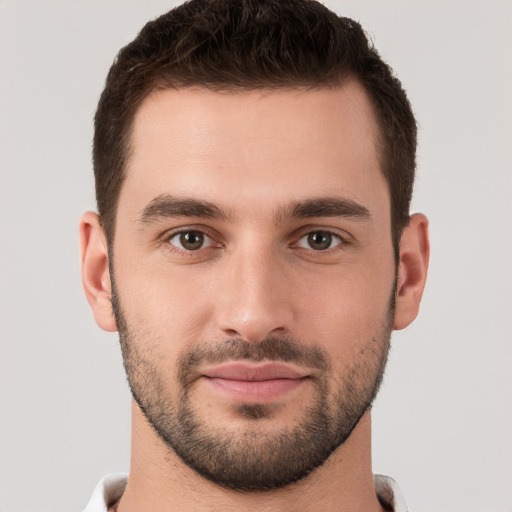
254, 155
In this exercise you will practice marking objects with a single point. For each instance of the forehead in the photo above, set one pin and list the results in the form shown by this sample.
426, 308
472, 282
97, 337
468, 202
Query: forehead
266, 143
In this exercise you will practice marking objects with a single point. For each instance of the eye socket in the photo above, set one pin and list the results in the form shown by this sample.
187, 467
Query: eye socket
191, 240
319, 240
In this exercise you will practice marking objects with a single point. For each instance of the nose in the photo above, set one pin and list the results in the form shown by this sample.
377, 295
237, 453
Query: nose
255, 296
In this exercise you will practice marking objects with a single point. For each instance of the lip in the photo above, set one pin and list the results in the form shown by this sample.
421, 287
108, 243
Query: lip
256, 383
244, 371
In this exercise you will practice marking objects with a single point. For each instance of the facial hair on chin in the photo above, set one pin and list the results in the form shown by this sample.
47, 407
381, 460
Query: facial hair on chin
252, 459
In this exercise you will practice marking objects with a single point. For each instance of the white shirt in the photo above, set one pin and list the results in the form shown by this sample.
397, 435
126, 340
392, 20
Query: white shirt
111, 488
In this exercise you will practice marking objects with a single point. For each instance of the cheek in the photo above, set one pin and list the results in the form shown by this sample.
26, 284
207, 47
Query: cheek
348, 309
172, 306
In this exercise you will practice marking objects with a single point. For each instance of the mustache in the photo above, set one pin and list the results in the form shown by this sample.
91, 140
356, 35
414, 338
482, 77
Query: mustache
286, 350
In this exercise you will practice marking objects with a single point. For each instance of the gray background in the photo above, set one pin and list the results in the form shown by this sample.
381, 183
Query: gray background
443, 421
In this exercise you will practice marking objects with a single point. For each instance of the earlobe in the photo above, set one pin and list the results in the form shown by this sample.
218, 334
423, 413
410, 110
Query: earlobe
412, 270
95, 270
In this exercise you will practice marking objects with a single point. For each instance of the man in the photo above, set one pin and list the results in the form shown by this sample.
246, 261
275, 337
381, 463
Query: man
254, 164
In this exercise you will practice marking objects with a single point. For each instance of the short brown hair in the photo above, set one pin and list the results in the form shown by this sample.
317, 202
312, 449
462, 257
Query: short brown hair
227, 45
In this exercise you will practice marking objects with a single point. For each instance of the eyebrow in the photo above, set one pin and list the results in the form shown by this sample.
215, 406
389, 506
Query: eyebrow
165, 205
324, 207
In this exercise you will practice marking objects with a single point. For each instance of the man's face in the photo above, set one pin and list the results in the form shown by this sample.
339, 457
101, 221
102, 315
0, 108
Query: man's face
254, 276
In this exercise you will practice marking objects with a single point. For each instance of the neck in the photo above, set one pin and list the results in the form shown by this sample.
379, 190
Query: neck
159, 480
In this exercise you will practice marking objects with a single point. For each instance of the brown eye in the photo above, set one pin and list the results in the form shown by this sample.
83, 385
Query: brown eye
191, 240
319, 241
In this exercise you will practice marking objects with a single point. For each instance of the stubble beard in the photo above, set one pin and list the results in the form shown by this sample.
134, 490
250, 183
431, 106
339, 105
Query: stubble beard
251, 458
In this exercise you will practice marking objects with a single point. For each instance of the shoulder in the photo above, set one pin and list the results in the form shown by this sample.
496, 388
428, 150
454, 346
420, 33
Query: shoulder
109, 489
389, 494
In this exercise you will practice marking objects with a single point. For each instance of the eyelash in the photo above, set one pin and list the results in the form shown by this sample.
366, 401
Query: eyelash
342, 241
189, 252
334, 238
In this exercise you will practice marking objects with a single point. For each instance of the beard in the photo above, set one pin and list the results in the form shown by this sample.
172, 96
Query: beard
251, 458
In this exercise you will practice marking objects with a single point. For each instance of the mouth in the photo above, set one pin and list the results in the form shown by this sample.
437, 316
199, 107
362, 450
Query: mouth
254, 383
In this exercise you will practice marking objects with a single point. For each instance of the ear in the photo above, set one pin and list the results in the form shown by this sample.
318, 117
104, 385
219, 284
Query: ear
412, 270
95, 270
